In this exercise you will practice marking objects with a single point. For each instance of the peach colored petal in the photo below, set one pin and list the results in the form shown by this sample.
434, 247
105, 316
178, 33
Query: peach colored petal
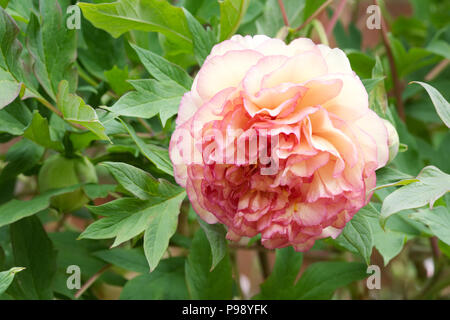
221, 72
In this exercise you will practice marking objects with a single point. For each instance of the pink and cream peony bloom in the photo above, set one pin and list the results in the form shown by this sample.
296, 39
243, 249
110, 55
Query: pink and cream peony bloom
279, 140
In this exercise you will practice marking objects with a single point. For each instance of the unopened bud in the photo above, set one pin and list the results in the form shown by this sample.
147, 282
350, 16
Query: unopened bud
393, 140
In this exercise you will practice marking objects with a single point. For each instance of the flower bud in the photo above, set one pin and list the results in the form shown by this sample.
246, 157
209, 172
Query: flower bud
60, 172
393, 140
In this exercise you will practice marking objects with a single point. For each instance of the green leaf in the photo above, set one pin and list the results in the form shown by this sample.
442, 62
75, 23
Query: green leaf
15, 118
216, 236
34, 251
161, 228
432, 184
157, 155
74, 110
117, 79
202, 283
11, 68
126, 218
151, 98
231, 14
439, 47
370, 84
203, 39
144, 15
136, 181
311, 6
7, 277
271, 21
162, 69
440, 104
280, 283
165, 283
377, 96
15, 210
99, 51
388, 243
438, 220
21, 157
363, 64
322, 279
39, 132
95, 191
357, 236
387, 175
403, 182
53, 63
128, 259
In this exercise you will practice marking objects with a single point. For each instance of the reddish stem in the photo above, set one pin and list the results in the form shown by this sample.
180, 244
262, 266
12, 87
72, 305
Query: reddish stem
314, 15
283, 12
395, 78
335, 17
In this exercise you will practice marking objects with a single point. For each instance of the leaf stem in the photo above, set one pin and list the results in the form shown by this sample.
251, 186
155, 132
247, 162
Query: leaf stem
437, 69
314, 15
58, 112
91, 281
85, 76
283, 13
335, 17
395, 78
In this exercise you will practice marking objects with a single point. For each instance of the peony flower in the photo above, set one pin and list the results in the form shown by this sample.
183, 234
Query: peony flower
277, 140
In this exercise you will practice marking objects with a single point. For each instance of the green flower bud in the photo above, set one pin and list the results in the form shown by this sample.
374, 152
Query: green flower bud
61, 172
393, 140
